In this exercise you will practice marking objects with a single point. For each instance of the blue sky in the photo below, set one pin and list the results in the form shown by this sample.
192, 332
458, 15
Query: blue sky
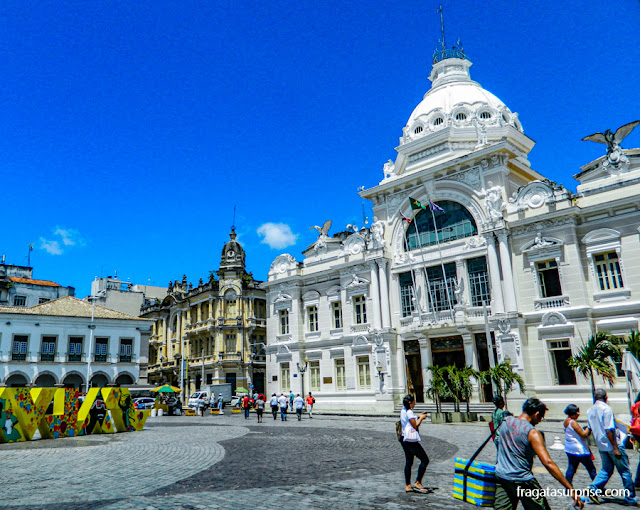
131, 129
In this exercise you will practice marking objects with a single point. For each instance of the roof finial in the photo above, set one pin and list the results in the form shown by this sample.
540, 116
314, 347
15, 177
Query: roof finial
233, 223
444, 46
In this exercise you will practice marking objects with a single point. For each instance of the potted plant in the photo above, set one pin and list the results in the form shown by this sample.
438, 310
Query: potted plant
504, 377
436, 391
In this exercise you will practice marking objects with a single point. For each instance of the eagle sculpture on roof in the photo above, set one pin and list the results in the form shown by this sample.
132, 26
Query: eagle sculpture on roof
612, 140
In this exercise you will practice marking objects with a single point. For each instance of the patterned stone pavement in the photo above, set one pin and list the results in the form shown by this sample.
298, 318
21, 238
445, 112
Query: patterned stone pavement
227, 462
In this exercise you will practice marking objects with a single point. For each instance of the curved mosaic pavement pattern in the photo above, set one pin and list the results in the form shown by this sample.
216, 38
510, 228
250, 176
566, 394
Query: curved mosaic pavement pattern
130, 464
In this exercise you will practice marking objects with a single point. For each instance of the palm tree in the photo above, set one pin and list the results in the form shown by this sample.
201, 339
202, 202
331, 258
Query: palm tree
504, 377
466, 386
438, 388
596, 356
633, 343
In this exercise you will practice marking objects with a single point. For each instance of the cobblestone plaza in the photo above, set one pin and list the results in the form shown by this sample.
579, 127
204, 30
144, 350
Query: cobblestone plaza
227, 462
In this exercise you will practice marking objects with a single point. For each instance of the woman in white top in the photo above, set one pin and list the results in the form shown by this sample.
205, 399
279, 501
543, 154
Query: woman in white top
575, 444
411, 445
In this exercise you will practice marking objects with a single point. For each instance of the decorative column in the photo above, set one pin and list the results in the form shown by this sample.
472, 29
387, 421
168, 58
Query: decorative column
384, 293
471, 358
375, 295
420, 283
507, 273
497, 304
210, 309
425, 360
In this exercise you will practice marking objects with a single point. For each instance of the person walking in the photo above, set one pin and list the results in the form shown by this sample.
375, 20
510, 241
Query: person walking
575, 444
298, 402
260, 408
212, 401
602, 424
497, 417
310, 401
220, 404
519, 441
274, 406
635, 432
282, 402
291, 400
245, 406
411, 444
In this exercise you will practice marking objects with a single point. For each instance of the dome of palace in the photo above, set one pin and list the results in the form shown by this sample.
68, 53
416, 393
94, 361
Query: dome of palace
455, 100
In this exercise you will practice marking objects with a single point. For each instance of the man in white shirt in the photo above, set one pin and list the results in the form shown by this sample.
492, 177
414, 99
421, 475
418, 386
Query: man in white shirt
283, 402
274, 406
298, 402
602, 424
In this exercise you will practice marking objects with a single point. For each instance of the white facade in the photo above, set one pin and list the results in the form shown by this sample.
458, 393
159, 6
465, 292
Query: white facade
552, 267
58, 344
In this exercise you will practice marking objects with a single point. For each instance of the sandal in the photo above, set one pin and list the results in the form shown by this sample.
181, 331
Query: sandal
421, 490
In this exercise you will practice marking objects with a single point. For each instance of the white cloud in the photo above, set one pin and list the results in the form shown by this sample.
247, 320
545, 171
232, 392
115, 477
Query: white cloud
277, 235
63, 237
69, 236
51, 247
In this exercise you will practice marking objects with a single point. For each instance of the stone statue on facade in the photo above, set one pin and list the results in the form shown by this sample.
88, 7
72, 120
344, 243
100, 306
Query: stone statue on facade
458, 292
321, 242
389, 169
481, 132
493, 202
540, 241
377, 233
616, 159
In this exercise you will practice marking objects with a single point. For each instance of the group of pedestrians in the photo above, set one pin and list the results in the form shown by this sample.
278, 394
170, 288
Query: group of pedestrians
517, 442
283, 403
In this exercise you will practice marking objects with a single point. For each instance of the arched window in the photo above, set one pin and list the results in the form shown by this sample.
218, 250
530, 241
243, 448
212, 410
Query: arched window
454, 223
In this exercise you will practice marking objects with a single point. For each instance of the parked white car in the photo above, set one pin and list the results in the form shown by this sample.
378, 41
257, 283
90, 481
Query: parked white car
198, 399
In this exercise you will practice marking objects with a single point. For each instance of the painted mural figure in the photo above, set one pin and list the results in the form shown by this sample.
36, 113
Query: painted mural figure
7, 422
126, 408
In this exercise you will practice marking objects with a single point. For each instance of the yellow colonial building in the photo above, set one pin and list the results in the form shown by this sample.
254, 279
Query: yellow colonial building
211, 333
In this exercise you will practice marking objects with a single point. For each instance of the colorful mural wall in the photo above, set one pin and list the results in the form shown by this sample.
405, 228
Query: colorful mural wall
59, 412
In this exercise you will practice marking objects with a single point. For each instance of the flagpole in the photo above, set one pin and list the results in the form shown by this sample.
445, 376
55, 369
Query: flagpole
413, 280
444, 274
424, 270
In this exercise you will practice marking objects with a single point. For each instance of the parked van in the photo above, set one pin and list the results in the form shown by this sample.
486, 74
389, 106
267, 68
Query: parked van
199, 399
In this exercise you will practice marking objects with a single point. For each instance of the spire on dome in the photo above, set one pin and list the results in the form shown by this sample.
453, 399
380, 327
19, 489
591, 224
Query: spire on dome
456, 51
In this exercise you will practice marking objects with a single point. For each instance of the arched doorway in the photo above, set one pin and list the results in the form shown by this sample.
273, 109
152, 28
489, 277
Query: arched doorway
124, 380
16, 381
73, 381
99, 381
45, 381
453, 222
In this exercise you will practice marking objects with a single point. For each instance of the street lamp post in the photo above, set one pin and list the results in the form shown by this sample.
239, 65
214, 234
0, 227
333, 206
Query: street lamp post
380, 375
92, 326
302, 370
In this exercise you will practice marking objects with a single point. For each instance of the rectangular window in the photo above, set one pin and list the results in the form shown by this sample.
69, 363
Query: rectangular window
126, 350
312, 316
549, 278
75, 348
360, 309
336, 307
48, 348
43, 300
478, 281
314, 375
285, 382
101, 349
441, 297
364, 373
608, 271
407, 293
19, 300
284, 322
341, 383
560, 352
230, 343
19, 351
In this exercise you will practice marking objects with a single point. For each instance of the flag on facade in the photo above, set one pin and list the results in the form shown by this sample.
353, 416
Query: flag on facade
404, 218
416, 204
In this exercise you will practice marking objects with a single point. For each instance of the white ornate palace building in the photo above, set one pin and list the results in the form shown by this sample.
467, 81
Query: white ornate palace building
365, 313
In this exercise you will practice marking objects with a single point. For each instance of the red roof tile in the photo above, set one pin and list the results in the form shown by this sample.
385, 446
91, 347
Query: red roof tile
34, 282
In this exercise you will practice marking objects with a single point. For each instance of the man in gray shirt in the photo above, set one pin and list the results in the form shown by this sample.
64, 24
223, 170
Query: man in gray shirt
519, 441
603, 425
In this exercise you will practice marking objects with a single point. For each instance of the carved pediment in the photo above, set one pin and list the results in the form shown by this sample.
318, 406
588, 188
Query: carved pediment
283, 263
553, 319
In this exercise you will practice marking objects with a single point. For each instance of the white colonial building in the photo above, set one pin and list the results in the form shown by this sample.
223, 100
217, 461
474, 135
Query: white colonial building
67, 341
367, 312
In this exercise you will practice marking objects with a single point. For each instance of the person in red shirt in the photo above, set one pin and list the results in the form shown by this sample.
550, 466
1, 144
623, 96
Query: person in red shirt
310, 401
245, 406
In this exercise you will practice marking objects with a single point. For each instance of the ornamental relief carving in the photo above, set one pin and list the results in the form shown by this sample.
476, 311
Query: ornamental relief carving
394, 200
470, 177
354, 244
542, 226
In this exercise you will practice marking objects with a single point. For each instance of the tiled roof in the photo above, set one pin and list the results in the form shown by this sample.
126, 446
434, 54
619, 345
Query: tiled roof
69, 307
34, 282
